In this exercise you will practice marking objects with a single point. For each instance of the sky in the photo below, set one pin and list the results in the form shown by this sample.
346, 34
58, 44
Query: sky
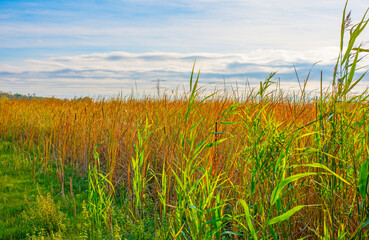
104, 48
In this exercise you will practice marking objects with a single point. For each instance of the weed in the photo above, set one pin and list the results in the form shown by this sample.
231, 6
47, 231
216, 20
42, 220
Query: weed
44, 216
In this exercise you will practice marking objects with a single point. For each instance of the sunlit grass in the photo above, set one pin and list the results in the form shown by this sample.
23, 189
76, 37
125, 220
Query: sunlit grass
268, 167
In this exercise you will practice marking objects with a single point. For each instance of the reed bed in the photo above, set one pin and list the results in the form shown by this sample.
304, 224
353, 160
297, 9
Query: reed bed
268, 167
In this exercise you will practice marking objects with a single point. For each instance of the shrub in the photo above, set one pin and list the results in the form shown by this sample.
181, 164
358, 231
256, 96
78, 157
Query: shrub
44, 216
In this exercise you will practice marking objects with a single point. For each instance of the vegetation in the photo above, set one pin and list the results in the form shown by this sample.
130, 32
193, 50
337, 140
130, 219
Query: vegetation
267, 167
10, 96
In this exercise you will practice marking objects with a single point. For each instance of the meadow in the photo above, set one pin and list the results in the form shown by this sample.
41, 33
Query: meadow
269, 166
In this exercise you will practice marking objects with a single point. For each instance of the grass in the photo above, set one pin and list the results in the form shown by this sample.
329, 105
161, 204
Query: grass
17, 192
29, 200
15, 186
268, 167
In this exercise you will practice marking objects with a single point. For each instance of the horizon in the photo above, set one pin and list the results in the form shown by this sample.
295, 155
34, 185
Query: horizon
106, 48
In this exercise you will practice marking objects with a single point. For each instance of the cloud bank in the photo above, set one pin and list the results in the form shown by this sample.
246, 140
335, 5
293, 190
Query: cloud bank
110, 74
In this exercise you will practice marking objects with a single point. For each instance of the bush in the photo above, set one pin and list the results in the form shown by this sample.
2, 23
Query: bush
44, 216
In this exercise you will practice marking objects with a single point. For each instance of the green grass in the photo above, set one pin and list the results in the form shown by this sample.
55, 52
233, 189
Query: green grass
17, 187
32, 205
27, 193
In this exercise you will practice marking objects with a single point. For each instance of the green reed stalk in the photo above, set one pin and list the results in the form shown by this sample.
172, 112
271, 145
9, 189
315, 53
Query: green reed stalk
99, 200
141, 168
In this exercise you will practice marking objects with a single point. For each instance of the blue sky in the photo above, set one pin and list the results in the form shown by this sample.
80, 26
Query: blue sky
79, 48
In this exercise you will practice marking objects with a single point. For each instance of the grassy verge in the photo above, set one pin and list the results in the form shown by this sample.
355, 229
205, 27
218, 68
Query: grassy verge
17, 185
34, 206
31, 204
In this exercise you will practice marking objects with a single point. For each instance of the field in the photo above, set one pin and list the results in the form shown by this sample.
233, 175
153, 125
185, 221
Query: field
269, 166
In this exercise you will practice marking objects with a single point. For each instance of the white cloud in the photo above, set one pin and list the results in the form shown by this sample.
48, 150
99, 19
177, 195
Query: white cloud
107, 73
178, 62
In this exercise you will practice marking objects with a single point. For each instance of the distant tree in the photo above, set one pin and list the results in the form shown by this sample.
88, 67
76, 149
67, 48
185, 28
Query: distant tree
11, 96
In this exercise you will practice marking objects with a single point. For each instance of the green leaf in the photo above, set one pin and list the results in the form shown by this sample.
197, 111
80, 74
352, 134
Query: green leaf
318, 165
248, 218
360, 49
365, 224
343, 25
205, 98
228, 123
193, 70
354, 35
357, 81
363, 178
196, 124
352, 72
285, 215
215, 143
232, 233
200, 144
276, 192
304, 237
